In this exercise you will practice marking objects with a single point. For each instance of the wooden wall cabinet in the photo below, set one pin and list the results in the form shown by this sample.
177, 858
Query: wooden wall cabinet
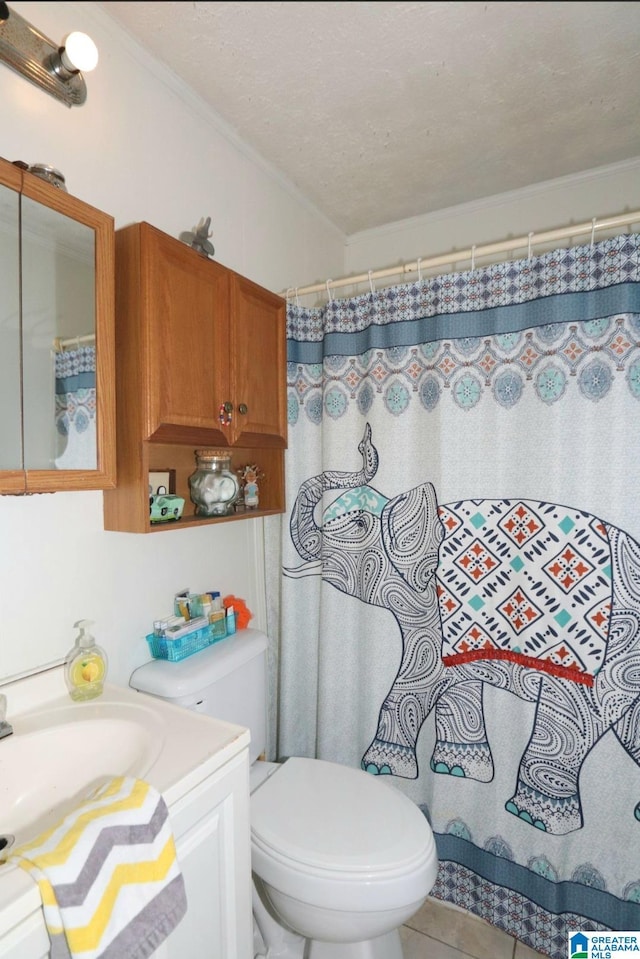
57, 290
201, 362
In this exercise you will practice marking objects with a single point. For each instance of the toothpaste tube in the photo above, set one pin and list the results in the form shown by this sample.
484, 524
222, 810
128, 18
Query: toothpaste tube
175, 632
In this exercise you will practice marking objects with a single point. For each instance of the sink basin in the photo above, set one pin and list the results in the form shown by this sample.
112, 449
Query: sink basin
58, 755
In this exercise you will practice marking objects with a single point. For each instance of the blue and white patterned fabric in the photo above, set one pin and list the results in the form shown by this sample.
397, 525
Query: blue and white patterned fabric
75, 412
461, 594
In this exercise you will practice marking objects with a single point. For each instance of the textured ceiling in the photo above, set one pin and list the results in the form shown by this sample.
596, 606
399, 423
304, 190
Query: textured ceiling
382, 111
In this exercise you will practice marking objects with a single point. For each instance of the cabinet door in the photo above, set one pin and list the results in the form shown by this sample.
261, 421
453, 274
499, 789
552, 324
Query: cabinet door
258, 366
27, 940
211, 825
185, 299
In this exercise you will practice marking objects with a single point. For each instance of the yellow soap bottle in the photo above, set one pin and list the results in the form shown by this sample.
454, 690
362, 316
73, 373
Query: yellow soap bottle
85, 667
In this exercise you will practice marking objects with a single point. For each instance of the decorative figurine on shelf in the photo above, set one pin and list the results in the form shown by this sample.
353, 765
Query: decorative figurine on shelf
250, 493
198, 239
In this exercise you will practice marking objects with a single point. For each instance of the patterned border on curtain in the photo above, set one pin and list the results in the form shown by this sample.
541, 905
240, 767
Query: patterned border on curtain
513, 388
75, 408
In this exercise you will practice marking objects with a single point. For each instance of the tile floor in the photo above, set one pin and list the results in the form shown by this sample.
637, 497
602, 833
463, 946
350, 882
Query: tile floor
438, 931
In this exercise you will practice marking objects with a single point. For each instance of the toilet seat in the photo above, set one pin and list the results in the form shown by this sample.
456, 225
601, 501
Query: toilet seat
340, 838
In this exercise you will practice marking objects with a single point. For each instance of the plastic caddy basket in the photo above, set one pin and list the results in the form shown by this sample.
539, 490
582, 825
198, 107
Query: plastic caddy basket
183, 646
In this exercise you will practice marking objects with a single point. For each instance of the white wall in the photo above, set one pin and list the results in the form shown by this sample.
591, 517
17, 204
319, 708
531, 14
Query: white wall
141, 148
608, 191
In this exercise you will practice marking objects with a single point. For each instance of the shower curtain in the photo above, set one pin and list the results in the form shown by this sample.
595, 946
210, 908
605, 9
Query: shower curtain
75, 408
460, 600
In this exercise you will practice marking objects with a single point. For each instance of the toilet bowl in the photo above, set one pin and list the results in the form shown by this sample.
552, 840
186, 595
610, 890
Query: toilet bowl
340, 858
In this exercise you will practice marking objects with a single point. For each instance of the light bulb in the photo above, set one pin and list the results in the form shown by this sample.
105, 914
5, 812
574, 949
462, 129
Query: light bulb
79, 53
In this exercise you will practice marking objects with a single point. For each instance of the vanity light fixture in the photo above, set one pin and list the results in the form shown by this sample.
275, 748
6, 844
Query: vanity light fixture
52, 68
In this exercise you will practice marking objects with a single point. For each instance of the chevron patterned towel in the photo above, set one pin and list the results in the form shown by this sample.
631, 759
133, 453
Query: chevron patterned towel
108, 875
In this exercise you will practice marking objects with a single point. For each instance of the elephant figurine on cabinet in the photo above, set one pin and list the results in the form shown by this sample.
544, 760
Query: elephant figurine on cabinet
531, 597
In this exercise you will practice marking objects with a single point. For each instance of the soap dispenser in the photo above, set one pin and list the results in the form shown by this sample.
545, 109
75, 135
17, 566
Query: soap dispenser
85, 668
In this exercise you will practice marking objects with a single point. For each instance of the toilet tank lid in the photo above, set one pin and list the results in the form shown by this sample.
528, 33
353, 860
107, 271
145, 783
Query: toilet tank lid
189, 676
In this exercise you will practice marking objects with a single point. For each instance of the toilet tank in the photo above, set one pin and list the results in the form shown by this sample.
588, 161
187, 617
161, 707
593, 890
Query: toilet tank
227, 681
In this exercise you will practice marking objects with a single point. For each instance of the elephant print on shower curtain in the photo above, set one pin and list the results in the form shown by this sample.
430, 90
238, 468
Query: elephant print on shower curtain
535, 598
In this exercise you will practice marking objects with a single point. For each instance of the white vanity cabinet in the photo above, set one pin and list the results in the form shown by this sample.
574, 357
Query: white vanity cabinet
28, 939
211, 828
210, 824
201, 767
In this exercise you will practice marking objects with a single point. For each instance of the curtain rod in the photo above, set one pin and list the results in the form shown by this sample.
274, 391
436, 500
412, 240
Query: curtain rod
60, 344
471, 254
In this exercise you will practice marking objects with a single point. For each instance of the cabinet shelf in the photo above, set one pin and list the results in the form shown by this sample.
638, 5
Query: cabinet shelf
127, 508
181, 459
190, 521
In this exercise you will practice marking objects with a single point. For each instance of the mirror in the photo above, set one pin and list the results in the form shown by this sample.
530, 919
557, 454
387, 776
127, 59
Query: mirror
57, 328
58, 340
10, 422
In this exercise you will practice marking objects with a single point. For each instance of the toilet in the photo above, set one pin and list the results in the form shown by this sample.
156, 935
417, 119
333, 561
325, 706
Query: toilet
340, 858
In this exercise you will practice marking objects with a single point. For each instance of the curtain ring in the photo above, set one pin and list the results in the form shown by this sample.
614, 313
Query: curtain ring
419, 266
529, 247
297, 300
371, 282
473, 257
329, 291
289, 290
593, 232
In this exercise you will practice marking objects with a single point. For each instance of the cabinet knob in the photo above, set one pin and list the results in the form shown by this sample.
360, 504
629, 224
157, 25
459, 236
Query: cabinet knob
243, 408
228, 407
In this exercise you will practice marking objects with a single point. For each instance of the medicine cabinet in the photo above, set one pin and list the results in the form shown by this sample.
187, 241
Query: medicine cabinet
57, 338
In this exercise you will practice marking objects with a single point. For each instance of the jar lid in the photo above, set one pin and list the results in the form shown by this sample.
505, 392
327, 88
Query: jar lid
214, 454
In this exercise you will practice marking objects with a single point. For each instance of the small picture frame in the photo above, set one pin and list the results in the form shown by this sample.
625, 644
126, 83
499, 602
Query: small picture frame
162, 482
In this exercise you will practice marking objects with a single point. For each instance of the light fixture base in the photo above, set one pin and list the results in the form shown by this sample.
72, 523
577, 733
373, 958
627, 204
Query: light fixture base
30, 53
